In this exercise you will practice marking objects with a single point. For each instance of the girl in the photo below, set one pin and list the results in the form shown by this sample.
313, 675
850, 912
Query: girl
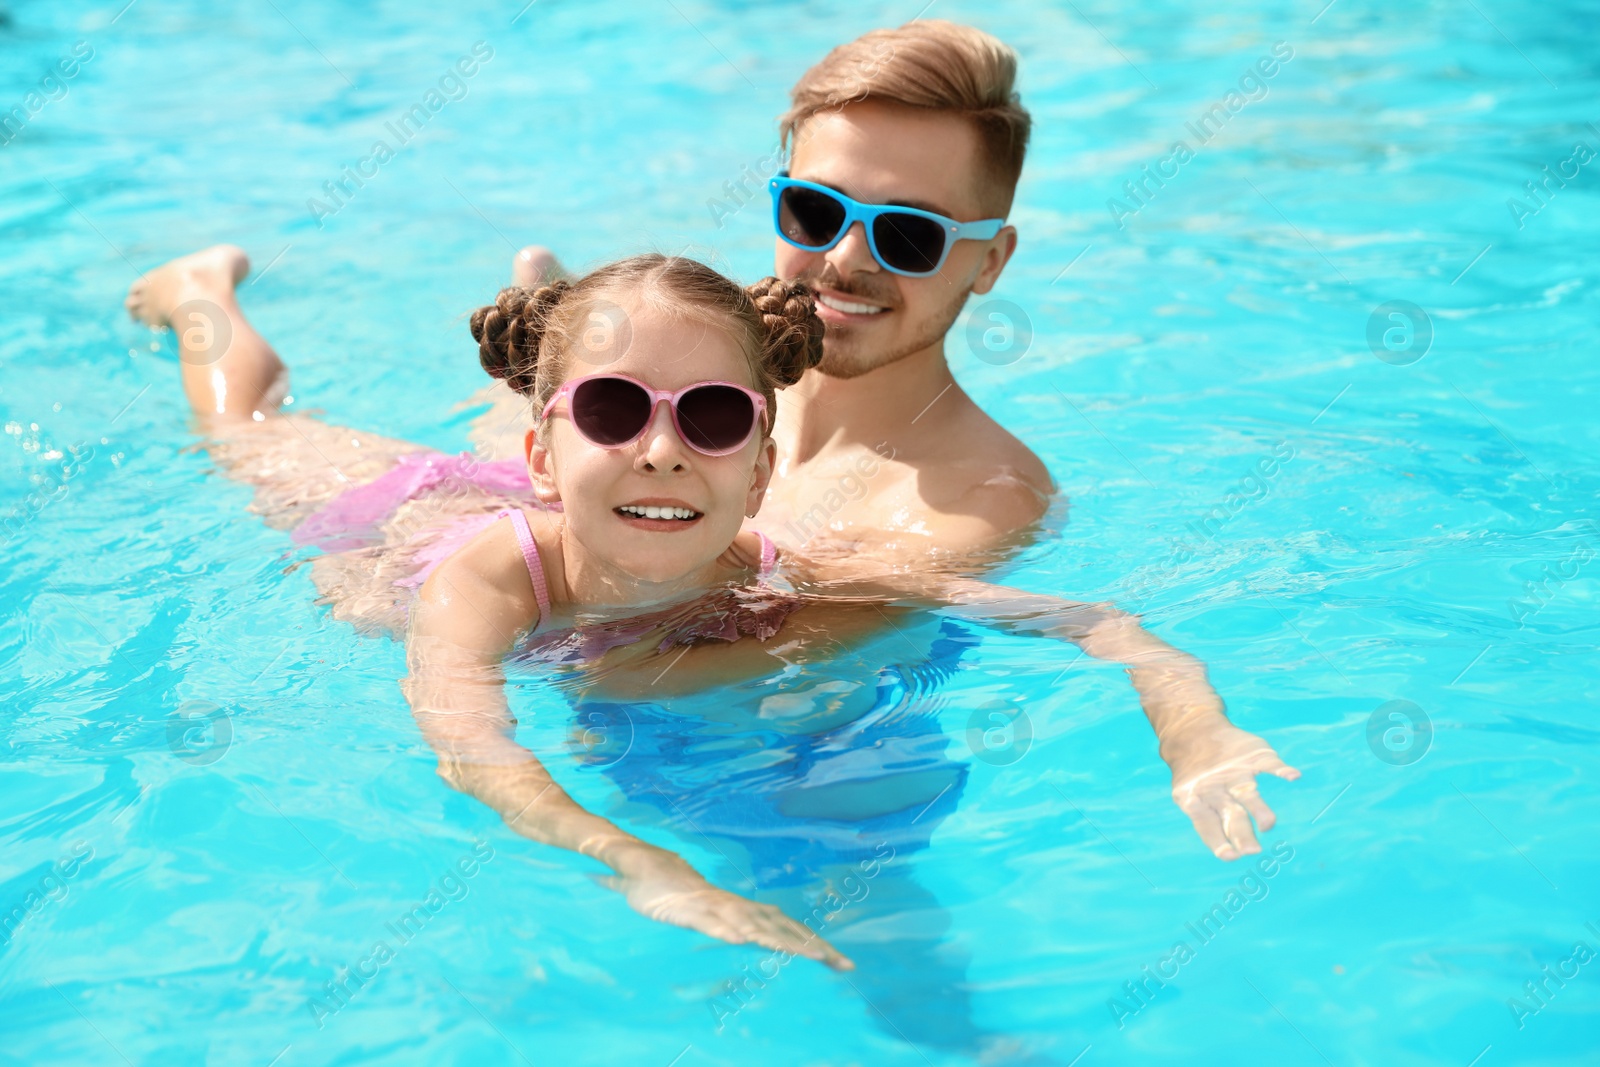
653, 379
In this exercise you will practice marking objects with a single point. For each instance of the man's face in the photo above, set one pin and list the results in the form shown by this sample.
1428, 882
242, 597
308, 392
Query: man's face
881, 153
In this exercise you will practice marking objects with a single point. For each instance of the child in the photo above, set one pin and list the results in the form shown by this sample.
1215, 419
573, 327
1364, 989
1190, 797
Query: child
653, 379
654, 441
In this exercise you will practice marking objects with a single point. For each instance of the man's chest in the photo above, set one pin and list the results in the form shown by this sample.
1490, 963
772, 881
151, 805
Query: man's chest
856, 497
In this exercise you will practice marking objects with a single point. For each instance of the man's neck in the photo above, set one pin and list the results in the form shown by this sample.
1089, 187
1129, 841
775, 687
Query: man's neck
886, 404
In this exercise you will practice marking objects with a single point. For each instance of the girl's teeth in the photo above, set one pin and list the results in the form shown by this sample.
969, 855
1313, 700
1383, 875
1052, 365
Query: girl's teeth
653, 512
848, 306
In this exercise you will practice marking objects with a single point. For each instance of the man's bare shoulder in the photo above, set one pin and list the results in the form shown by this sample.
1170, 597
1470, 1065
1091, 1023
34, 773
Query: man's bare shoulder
980, 480
981, 455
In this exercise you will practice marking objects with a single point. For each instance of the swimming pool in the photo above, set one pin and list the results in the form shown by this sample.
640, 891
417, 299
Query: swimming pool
215, 799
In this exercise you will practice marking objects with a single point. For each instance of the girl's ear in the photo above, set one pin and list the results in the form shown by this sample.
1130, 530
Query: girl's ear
541, 469
761, 477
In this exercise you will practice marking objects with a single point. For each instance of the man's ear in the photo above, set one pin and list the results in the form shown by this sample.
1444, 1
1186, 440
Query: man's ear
995, 257
541, 468
761, 477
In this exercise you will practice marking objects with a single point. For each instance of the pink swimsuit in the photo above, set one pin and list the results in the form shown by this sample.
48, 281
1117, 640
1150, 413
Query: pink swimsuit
351, 519
354, 519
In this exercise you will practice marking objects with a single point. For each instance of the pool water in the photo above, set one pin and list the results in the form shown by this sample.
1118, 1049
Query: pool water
1378, 529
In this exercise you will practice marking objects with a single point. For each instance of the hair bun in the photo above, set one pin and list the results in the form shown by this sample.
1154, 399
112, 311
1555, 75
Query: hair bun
793, 332
510, 330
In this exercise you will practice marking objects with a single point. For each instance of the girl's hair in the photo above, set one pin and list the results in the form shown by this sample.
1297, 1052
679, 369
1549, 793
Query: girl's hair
525, 336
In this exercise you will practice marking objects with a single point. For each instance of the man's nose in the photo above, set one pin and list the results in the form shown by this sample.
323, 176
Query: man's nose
852, 255
663, 449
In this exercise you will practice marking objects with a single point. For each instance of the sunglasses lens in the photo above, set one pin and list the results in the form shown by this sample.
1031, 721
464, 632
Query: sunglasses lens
715, 418
610, 411
908, 242
808, 217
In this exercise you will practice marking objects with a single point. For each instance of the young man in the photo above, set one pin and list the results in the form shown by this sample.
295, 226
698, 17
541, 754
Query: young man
920, 117
882, 457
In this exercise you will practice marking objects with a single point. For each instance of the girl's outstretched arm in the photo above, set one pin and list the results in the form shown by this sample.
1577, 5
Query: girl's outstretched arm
467, 618
1213, 762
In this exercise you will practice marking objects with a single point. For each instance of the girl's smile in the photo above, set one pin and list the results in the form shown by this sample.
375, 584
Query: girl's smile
668, 514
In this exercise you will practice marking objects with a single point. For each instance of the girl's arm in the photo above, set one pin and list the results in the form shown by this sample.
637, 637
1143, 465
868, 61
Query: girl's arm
1213, 762
467, 618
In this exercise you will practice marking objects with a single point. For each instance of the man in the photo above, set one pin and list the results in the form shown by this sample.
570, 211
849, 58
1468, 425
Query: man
929, 121
925, 117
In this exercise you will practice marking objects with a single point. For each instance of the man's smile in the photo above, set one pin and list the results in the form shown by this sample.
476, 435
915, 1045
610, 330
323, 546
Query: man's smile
839, 308
851, 307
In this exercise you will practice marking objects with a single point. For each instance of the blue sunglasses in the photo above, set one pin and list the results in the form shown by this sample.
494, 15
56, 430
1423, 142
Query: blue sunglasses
903, 240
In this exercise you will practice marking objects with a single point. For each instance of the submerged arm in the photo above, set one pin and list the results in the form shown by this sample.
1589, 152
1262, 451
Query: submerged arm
1213, 762
464, 623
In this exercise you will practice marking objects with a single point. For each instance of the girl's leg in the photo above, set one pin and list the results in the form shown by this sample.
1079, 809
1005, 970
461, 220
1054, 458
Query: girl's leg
534, 266
230, 373
235, 383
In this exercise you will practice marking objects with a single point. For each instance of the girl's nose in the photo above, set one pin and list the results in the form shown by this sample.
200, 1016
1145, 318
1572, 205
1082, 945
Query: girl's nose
663, 449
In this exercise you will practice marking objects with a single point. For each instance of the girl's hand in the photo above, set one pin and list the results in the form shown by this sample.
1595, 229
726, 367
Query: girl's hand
1214, 772
667, 889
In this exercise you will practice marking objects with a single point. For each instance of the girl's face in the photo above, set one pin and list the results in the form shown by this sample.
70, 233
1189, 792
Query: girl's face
595, 484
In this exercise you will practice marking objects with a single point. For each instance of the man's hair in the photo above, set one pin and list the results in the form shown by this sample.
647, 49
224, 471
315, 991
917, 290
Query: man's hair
930, 64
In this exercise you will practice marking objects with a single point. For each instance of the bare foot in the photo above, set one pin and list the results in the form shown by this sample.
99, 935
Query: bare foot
534, 266
208, 273
229, 371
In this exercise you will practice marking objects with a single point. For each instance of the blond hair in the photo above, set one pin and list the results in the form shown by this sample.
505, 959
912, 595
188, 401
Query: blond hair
933, 64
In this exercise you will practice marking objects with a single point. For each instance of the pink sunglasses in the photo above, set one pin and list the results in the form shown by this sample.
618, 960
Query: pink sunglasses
614, 410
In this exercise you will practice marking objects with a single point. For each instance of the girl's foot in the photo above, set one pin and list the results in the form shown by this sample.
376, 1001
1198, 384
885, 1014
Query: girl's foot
208, 274
229, 371
535, 266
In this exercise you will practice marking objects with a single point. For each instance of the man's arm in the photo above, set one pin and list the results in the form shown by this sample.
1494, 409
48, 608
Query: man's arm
1213, 762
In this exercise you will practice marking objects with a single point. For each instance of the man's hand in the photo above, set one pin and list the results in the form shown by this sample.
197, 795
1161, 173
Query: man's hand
667, 889
1214, 770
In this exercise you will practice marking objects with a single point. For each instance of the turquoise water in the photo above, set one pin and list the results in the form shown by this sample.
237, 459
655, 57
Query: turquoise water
1429, 538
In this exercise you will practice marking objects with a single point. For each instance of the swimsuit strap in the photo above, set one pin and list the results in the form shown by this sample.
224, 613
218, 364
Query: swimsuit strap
769, 555
530, 556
